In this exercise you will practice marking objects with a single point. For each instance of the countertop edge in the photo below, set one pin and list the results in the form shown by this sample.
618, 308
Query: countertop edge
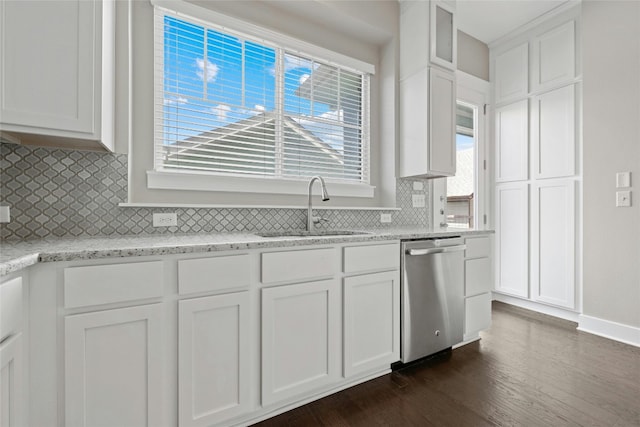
57, 250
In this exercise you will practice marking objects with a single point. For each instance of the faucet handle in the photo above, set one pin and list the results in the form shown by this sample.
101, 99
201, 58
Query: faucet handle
318, 219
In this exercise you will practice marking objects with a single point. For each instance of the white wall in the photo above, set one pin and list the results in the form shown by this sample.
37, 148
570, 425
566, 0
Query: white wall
473, 56
366, 30
611, 134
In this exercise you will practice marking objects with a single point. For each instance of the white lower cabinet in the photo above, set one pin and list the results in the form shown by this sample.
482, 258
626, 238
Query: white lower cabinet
11, 382
213, 358
371, 321
300, 339
113, 367
477, 285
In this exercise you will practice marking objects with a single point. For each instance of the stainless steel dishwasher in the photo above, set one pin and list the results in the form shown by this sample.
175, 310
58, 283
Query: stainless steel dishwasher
432, 296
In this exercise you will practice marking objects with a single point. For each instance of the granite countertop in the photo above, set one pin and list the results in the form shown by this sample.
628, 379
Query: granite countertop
15, 256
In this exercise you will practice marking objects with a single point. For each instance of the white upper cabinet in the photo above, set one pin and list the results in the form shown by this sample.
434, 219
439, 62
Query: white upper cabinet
512, 142
554, 57
444, 35
428, 38
512, 74
553, 123
57, 70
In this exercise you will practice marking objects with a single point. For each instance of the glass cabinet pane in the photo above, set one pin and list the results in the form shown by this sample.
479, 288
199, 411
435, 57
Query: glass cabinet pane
444, 34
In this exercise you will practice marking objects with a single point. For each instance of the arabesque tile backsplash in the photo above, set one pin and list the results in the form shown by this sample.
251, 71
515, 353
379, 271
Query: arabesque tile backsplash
63, 193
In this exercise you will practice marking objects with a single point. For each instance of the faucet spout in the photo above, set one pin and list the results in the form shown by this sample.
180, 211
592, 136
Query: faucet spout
325, 197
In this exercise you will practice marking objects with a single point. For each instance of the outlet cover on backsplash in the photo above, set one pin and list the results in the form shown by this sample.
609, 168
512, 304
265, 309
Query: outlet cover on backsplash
65, 193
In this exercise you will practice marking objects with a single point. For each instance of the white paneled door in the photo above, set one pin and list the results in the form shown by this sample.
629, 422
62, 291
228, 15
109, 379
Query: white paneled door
512, 237
213, 357
553, 252
553, 133
113, 367
300, 339
371, 322
512, 74
554, 56
512, 142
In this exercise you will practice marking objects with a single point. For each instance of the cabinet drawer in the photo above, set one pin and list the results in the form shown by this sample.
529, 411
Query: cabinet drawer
213, 274
10, 307
477, 276
477, 313
477, 247
371, 257
104, 284
298, 265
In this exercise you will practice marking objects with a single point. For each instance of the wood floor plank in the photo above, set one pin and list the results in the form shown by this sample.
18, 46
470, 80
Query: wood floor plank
528, 370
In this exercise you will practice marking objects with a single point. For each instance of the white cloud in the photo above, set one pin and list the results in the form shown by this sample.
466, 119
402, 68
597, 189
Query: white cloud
221, 111
259, 107
303, 78
206, 68
175, 101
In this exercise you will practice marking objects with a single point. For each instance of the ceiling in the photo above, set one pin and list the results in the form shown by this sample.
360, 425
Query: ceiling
488, 20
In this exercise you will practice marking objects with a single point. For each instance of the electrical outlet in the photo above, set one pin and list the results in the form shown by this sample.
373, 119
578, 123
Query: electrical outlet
385, 218
5, 215
165, 219
419, 201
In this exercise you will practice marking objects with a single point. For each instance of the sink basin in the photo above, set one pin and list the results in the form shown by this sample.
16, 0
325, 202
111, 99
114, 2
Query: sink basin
316, 233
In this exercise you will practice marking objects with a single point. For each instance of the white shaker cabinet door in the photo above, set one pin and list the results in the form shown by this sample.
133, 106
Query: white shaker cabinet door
512, 239
213, 358
512, 74
113, 367
554, 57
371, 322
12, 399
553, 133
300, 339
512, 142
553, 214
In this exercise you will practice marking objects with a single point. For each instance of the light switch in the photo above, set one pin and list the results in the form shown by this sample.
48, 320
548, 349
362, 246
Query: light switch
623, 198
419, 200
418, 186
623, 179
5, 214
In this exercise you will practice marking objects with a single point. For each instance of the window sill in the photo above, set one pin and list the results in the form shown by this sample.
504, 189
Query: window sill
201, 182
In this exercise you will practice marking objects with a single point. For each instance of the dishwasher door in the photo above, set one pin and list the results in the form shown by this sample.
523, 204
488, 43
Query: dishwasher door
432, 296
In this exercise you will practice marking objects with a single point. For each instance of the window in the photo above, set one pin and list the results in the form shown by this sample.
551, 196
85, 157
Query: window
239, 106
461, 204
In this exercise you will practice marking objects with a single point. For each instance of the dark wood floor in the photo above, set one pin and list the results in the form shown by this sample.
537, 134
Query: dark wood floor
528, 370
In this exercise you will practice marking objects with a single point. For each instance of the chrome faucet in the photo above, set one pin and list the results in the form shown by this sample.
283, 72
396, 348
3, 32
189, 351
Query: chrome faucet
325, 196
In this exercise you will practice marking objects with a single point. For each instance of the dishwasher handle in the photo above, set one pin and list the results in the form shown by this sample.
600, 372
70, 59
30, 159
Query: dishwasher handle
418, 252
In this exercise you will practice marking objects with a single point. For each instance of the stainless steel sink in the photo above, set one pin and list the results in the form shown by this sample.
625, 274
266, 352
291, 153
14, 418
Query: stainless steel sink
315, 233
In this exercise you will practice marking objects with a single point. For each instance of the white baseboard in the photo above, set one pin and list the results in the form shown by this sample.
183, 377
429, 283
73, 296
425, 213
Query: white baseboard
608, 329
571, 316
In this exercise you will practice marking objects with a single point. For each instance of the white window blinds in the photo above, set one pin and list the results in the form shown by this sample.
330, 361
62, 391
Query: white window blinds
229, 105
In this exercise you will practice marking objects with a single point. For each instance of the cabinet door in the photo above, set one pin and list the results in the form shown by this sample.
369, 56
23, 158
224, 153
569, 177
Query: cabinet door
442, 123
554, 56
11, 383
477, 314
512, 142
46, 64
444, 35
300, 339
113, 367
213, 357
477, 276
371, 322
553, 242
512, 239
512, 74
553, 122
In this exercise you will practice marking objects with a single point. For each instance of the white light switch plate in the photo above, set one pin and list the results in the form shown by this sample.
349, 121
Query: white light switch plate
418, 200
623, 198
5, 215
623, 179
418, 186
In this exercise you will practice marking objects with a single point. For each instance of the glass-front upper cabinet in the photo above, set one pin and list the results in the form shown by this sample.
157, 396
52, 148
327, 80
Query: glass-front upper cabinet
444, 34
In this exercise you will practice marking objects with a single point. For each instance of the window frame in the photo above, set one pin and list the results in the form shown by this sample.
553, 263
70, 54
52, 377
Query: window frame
206, 181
